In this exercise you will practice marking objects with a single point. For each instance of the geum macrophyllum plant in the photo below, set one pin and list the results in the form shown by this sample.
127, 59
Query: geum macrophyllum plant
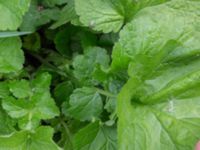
99, 74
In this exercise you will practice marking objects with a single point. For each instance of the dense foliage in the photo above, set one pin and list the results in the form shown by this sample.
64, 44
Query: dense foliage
99, 74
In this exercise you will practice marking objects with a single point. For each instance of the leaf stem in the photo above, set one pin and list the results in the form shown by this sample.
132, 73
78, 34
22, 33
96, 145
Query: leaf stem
106, 93
67, 131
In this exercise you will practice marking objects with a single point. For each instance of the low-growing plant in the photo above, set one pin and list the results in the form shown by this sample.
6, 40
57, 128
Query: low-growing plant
99, 74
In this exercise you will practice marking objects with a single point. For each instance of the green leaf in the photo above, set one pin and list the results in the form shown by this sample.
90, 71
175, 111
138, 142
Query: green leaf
32, 42
68, 14
6, 123
4, 89
96, 136
132, 7
158, 108
127, 48
85, 104
38, 105
61, 41
63, 91
37, 15
89, 62
20, 89
24, 140
11, 55
12, 12
91, 14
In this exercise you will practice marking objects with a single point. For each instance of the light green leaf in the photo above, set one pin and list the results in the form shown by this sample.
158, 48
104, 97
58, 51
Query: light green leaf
158, 108
85, 104
11, 55
38, 105
104, 15
110, 15
128, 48
138, 5
12, 12
89, 62
96, 137
20, 89
24, 140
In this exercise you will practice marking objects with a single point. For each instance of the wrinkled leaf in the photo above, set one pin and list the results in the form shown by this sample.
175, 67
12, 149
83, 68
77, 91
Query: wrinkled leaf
12, 12
158, 108
91, 14
87, 64
11, 55
95, 136
85, 104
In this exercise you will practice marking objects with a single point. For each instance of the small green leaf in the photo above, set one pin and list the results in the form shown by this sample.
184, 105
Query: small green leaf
95, 137
85, 104
38, 15
63, 91
61, 41
11, 55
85, 65
32, 42
68, 14
20, 89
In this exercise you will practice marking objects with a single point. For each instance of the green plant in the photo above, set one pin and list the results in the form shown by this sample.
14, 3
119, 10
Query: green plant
99, 74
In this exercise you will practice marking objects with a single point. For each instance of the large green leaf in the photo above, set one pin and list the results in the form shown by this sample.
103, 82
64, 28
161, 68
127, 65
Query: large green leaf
24, 140
96, 137
145, 24
104, 15
11, 55
12, 12
158, 108
110, 15
34, 103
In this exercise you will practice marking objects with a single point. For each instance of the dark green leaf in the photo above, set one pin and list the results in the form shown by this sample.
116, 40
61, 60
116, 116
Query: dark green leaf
96, 136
